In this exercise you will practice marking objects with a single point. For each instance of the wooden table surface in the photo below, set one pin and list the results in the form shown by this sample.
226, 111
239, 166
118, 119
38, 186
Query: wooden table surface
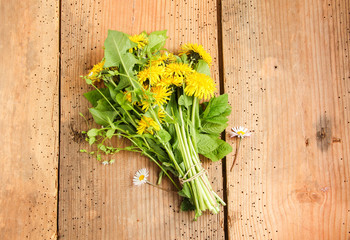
286, 67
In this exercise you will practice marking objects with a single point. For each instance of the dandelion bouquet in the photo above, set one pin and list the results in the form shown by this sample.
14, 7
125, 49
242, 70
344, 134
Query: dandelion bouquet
164, 104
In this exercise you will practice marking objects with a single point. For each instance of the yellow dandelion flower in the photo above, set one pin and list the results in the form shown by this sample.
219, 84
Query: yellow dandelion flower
147, 125
95, 71
161, 94
145, 105
128, 96
151, 75
145, 102
161, 115
200, 86
163, 59
166, 81
140, 39
178, 69
176, 72
192, 50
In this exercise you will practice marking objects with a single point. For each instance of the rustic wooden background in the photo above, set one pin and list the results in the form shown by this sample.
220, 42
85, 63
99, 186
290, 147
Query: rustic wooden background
286, 67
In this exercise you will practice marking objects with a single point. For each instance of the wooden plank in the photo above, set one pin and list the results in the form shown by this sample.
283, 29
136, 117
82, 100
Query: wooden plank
28, 119
286, 68
100, 202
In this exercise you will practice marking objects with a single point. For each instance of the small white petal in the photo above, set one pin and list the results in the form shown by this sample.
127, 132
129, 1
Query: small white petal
233, 134
240, 132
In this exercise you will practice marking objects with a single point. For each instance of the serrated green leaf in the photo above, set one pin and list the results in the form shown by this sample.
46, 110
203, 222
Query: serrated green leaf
116, 46
184, 58
112, 91
88, 81
128, 61
120, 98
102, 147
220, 152
206, 143
216, 106
93, 96
185, 100
103, 117
213, 128
92, 132
203, 67
217, 120
124, 83
185, 191
156, 41
92, 140
110, 133
103, 105
186, 205
156, 149
164, 136
127, 128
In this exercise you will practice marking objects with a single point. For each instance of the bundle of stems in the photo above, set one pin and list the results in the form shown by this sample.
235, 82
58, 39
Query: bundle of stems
156, 99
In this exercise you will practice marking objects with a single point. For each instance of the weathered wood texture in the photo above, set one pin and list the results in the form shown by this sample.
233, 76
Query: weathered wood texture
286, 69
28, 119
100, 202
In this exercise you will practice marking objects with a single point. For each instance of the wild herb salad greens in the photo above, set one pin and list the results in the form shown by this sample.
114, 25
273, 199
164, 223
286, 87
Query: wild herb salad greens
156, 99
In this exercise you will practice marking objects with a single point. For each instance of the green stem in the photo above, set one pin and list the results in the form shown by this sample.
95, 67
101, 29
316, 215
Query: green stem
205, 183
237, 151
201, 186
155, 161
193, 119
184, 155
98, 90
154, 185
165, 172
188, 162
144, 152
111, 81
166, 145
131, 119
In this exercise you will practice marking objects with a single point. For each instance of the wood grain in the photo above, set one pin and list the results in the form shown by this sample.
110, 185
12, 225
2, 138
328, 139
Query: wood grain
286, 69
28, 119
100, 202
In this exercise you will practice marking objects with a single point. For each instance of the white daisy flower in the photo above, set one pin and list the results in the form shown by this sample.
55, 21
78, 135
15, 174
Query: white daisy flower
105, 162
140, 177
240, 132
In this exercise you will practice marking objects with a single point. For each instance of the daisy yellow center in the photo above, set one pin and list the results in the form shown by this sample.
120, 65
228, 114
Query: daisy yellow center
240, 133
141, 177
